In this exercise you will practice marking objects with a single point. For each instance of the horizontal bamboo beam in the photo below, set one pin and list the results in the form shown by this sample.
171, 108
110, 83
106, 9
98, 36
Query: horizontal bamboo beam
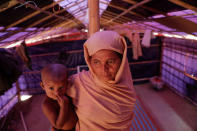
184, 4
8, 102
48, 17
131, 8
51, 29
8, 5
58, 12
119, 20
24, 36
141, 79
179, 50
30, 16
43, 11
111, 15
107, 19
186, 74
7, 43
154, 45
79, 51
14, 32
122, 9
190, 76
144, 62
145, 7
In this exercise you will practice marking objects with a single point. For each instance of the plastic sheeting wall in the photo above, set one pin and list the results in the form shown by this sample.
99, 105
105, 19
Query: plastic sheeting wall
68, 53
71, 54
178, 59
147, 65
10, 97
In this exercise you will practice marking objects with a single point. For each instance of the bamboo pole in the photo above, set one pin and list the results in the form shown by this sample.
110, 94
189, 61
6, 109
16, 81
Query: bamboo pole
94, 24
18, 91
161, 56
23, 121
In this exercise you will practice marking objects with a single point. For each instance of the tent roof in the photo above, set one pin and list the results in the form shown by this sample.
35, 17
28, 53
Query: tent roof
24, 19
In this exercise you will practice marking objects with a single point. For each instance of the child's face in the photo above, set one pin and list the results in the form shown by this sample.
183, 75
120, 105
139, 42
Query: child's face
54, 87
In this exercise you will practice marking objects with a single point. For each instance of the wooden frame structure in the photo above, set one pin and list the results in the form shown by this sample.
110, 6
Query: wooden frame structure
129, 11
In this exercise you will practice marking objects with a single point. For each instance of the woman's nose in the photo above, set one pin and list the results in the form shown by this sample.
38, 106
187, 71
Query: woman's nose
105, 67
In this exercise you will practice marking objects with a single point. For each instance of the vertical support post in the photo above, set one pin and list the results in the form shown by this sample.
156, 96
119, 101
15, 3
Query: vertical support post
161, 57
94, 21
18, 91
23, 121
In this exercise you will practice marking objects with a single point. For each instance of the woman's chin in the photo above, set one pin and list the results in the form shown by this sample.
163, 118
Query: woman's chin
106, 79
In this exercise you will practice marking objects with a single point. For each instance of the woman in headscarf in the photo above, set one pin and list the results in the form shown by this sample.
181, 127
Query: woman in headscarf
104, 96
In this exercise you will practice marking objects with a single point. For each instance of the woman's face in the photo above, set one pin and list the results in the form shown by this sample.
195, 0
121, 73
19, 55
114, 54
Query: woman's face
105, 64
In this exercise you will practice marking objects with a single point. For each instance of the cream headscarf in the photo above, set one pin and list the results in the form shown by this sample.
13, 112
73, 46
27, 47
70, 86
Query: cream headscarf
104, 106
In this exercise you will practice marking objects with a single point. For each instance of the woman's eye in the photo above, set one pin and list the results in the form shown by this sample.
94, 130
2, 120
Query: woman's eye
96, 62
111, 61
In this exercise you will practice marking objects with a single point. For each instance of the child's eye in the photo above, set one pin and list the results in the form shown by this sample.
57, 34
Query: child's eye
51, 88
61, 87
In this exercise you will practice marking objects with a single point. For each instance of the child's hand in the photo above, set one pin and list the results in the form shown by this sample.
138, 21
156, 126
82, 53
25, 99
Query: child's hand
62, 100
53, 129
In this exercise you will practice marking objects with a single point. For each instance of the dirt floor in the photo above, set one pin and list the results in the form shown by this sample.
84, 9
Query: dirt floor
172, 112
33, 116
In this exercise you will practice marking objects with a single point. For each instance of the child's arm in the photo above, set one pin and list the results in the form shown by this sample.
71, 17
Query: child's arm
57, 117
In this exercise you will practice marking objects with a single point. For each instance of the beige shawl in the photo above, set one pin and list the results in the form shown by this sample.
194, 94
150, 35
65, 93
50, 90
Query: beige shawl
104, 106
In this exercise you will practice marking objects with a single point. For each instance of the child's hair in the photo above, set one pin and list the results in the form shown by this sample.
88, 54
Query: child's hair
54, 70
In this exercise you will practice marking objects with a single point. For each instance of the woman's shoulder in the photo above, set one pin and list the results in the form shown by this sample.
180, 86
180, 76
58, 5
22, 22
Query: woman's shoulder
82, 74
75, 82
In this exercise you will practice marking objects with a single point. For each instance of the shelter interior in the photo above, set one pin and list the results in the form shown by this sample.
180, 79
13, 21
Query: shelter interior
39, 32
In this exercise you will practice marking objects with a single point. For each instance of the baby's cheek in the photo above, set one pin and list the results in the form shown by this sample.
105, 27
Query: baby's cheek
55, 97
63, 91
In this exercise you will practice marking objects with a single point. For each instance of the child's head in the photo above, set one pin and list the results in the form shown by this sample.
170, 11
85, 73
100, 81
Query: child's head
54, 80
